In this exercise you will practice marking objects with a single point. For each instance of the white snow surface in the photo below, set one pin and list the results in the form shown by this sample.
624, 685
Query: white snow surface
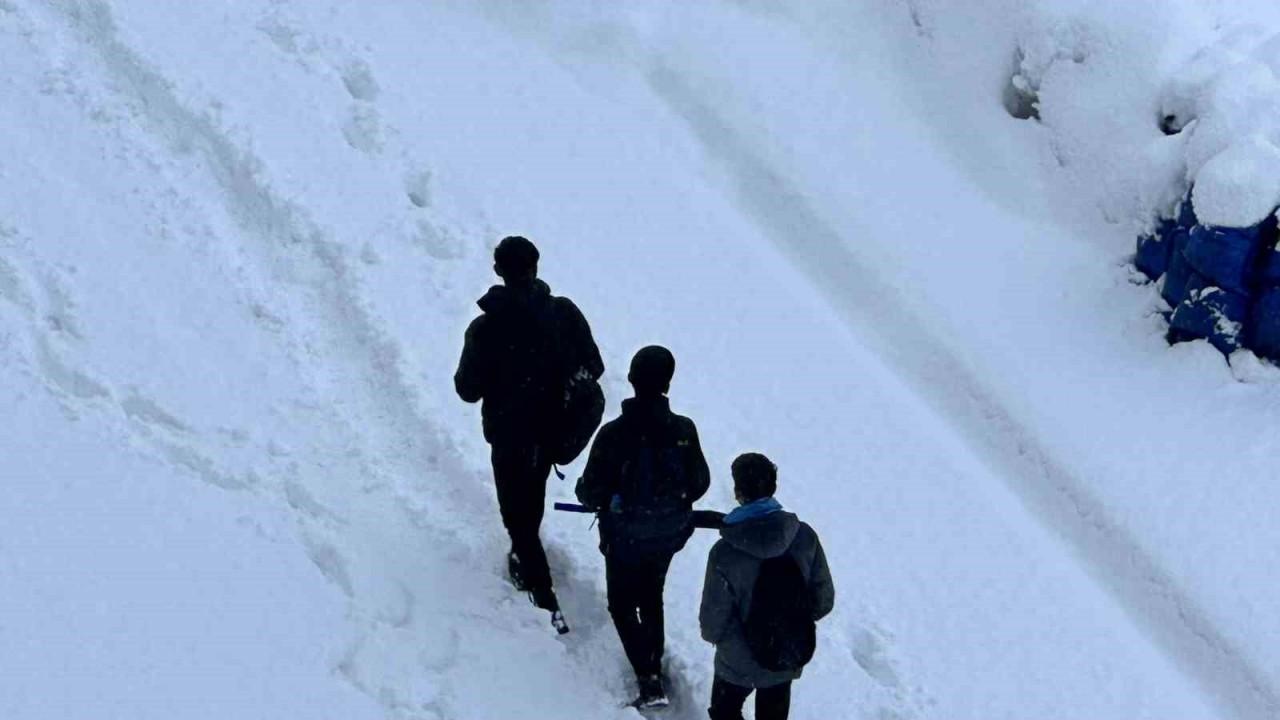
241, 241
1240, 186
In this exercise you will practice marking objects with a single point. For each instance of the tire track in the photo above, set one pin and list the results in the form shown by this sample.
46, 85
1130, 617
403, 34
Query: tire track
876, 315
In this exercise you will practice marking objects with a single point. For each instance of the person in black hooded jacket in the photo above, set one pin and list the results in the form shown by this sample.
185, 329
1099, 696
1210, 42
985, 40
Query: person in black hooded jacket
517, 358
645, 471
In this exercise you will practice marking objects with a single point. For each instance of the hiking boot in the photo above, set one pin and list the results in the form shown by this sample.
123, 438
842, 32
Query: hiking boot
544, 598
557, 622
513, 571
652, 695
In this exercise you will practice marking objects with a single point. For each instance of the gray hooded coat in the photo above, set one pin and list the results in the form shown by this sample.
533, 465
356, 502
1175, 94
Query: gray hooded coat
732, 568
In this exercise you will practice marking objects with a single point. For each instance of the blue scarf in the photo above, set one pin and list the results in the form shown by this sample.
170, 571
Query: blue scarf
752, 510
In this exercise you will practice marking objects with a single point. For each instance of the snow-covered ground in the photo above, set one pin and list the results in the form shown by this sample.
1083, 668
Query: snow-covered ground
240, 241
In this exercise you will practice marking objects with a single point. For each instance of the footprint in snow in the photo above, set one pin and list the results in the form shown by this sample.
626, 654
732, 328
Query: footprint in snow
144, 410
397, 609
65, 378
206, 469
358, 79
13, 289
282, 36
57, 311
301, 499
266, 318
439, 242
363, 129
331, 564
418, 188
868, 650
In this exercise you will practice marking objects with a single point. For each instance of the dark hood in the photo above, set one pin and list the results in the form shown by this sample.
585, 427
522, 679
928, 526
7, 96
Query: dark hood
763, 537
502, 299
646, 408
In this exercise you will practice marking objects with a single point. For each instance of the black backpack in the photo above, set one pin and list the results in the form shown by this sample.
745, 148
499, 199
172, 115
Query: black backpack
577, 419
653, 517
780, 629
579, 402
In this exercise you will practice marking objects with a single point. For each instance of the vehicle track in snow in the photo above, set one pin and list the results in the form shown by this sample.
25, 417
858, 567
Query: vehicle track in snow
877, 316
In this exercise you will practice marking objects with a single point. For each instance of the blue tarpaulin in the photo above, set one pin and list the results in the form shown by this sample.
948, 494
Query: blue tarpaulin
1214, 314
1227, 256
1264, 324
1152, 258
1179, 273
1222, 283
1268, 274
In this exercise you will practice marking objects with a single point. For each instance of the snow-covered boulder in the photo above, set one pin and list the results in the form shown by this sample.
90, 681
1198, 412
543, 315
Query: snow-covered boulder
1240, 186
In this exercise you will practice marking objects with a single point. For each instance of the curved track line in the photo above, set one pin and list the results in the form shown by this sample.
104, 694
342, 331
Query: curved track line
875, 315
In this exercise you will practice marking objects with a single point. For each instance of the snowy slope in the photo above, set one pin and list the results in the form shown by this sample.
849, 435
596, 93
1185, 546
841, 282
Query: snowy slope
248, 235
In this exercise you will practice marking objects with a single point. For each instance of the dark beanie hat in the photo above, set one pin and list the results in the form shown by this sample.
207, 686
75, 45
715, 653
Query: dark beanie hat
515, 254
652, 369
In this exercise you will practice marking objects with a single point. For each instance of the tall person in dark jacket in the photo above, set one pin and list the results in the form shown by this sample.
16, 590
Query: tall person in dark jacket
517, 358
759, 529
644, 473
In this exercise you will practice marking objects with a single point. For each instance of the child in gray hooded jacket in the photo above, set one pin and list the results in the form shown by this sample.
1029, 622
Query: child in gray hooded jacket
759, 529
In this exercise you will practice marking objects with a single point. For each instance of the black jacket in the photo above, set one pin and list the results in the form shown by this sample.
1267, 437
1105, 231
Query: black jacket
645, 471
732, 568
518, 357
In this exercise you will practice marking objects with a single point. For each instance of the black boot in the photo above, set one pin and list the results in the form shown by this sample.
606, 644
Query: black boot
558, 622
652, 694
544, 598
513, 571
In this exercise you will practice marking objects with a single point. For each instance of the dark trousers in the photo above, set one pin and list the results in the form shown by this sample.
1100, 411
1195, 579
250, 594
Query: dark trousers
727, 699
520, 474
635, 602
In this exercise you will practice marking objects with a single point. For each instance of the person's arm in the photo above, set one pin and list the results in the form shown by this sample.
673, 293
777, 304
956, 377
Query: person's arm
698, 473
589, 354
718, 602
596, 486
822, 591
469, 380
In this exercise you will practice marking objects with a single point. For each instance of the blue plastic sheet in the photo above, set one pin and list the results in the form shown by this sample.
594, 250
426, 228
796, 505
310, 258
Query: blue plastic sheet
1227, 256
1264, 324
1213, 314
1186, 212
1268, 274
1154, 249
1179, 273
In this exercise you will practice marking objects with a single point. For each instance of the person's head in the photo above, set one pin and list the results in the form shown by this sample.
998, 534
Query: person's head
651, 371
754, 477
515, 260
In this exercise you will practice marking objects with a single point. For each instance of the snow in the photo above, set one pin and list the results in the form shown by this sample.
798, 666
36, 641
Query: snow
1240, 186
248, 236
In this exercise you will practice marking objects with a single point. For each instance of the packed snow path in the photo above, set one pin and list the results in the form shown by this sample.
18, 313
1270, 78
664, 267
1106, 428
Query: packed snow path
978, 575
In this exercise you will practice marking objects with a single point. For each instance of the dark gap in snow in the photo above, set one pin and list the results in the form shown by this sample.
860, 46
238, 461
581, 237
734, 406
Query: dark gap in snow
1020, 98
1171, 124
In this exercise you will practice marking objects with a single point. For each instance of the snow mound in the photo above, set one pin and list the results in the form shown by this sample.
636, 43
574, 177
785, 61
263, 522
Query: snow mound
1226, 98
1240, 186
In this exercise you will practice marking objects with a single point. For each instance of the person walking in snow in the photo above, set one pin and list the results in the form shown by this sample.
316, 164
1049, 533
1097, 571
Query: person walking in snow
522, 357
645, 471
767, 585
